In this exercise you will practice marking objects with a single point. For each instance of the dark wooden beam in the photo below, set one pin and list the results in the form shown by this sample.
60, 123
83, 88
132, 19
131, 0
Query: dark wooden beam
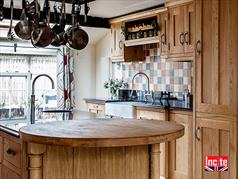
79, 2
91, 21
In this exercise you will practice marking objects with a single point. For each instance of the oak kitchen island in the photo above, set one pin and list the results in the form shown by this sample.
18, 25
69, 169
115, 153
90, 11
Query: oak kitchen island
95, 148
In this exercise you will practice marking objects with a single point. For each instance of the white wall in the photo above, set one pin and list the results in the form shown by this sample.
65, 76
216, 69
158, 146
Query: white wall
103, 65
91, 69
84, 73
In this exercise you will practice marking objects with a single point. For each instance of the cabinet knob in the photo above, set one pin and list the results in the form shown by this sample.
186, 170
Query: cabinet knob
11, 152
181, 38
197, 133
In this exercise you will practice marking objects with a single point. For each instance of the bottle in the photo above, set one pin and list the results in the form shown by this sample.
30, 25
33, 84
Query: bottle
187, 97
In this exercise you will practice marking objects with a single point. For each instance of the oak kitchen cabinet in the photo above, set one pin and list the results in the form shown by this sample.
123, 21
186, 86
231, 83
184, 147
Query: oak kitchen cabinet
180, 152
11, 157
216, 74
176, 157
181, 32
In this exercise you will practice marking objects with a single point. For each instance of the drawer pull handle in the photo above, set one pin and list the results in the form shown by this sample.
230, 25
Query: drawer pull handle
186, 38
196, 133
181, 38
11, 152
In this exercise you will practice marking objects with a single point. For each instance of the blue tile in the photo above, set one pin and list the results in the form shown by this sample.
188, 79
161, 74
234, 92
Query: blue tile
123, 67
180, 80
159, 80
151, 73
171, 72
156, 59
147, 66
130, 73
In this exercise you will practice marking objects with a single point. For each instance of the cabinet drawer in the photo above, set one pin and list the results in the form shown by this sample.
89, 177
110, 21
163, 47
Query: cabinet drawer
12, 152
95, 107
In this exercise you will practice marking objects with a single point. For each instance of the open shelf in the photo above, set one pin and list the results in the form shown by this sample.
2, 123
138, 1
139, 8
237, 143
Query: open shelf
142, 41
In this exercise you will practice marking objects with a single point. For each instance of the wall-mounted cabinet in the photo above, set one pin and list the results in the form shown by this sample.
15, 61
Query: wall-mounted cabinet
117, 47
182, 32
121, 53
130, 33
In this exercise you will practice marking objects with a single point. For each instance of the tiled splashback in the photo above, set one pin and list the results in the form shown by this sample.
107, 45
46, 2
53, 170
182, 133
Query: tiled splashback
164, 75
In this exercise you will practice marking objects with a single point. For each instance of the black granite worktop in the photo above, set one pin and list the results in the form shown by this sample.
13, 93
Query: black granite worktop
171, 104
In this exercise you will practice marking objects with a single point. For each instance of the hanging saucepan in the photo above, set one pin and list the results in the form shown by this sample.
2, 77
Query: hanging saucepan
58, 29
42, 34
24, 27
77, 38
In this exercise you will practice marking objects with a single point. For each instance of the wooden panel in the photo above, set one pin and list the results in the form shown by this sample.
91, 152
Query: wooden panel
134, 53
87, 163
1, 149
176, 30
58, 162
9, 174
12, 152
112, 163
164, 33
216, 82
189, 28
181, 151
0, 171
137, 162
217, 138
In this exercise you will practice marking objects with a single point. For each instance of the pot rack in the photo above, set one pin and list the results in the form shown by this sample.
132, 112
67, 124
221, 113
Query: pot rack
78, 2
91, 21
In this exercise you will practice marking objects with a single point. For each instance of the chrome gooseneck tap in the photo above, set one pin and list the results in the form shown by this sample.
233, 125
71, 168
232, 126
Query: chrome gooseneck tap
148, 93
148, 80
33, 95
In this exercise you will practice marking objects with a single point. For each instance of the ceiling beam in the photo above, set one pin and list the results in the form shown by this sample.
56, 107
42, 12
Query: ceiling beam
79, 2
91, 21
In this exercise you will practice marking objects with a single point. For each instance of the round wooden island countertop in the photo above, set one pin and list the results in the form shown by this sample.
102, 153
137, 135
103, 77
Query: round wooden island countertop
102, 132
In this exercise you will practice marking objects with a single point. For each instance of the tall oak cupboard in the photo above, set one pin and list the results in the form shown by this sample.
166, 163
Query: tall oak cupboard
216, 107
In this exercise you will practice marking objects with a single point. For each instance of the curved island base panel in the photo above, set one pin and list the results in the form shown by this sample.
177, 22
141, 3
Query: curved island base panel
51, 161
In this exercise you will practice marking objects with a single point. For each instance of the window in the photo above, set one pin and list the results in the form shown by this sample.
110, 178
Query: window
16, 74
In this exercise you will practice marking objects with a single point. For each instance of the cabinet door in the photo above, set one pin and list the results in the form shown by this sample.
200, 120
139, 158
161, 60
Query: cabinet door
215, 138
180, 151
164, 33
117, 41
8, 173
189, 28
216, 56
176, 30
